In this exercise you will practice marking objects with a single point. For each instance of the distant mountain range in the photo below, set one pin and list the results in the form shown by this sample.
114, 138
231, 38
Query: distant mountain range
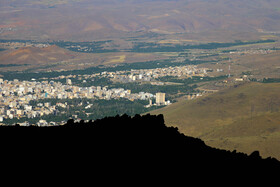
95, 19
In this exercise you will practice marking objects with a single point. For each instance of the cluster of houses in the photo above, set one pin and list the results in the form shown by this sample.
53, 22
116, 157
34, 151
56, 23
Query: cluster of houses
143, 75
152, 74
15, 96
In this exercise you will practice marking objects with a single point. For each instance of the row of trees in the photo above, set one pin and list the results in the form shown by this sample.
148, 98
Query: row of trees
145, 47
271, 80
27, 75
85, 47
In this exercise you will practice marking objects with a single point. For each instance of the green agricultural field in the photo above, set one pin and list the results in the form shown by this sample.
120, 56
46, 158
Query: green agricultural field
54, 2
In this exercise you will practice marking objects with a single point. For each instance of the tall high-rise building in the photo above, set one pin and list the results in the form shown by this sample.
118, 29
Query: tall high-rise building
68, 81
160, 98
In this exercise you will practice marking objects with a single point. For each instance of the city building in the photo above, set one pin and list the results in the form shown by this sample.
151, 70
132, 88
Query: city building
68, 81
160, 98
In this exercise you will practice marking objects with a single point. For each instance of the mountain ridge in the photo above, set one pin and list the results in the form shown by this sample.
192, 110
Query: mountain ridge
124, 140
102, 19
244, 118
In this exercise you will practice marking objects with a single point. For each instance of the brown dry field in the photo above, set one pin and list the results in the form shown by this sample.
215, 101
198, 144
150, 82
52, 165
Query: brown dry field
54, 58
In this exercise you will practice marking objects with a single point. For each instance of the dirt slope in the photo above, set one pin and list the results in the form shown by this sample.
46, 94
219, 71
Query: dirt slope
245, 118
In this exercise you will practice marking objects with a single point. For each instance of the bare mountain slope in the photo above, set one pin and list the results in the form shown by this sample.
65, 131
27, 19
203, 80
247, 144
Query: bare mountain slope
35, 55
242, 118
88, 19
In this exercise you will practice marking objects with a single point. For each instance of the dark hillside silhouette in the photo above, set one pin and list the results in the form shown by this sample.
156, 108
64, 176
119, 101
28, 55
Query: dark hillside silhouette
139, 141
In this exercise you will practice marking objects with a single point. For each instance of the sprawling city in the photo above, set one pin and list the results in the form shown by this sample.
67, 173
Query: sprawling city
210, 68
16, 95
